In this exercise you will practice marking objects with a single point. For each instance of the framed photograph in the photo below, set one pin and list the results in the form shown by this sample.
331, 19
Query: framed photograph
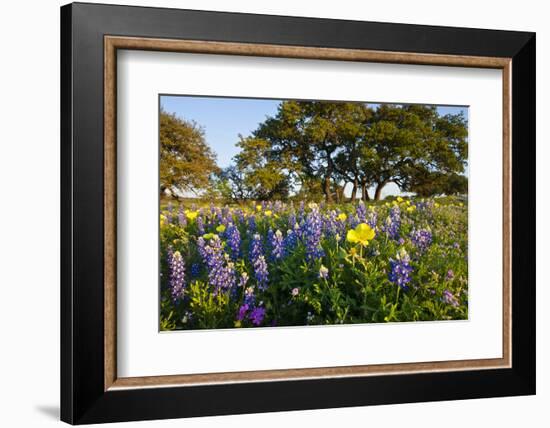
267, 213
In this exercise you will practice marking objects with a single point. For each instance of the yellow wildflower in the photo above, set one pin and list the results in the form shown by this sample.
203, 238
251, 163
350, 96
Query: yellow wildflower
220, 228
162, 220
411, 209
362, 234
191, 215
268, 213
258, 207
342, 217
436, 205
399, 199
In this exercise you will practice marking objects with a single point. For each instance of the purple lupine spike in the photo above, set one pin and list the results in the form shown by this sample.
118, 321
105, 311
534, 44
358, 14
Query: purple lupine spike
176, 267
421, 239
313, 234
361, 212
233, 240
393, 223
258, 262
277, 245
221, 271
400, 270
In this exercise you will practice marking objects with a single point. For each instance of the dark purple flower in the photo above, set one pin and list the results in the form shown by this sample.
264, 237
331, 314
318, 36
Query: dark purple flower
257, 316
243, 309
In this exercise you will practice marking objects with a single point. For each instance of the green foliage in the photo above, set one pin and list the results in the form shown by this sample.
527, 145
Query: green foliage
357, 288
186, 161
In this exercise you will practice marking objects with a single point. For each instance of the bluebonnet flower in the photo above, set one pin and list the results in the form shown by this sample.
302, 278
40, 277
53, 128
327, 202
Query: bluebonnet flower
243, 280
372, 218
252, 224
257, 315
256, 249
260, 270
221, 271
313, 234
277, 245
400, 269
249, 297
323, 272
258, 262
290, 241
361, 212
421, 239
393, 223
291, 219
450, 299
176, 267
233, 240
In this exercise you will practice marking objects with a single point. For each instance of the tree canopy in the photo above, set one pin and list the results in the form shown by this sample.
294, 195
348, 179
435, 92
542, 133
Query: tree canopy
322, 146
186, 160
318, 148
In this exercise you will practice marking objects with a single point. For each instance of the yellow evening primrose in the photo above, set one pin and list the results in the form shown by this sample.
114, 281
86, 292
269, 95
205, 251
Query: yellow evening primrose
362, 234
191, 215
436, 205
411, 208
399, 199
220, 228
209, 236
162, 220
258, 207
342, 217
408, 202
268, 213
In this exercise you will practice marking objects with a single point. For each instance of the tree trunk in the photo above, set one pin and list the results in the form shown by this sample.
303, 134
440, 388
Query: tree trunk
354, 190
378, 191
365, 192
327, 190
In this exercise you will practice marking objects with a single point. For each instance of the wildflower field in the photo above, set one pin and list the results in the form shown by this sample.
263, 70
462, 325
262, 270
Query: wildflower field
292, 264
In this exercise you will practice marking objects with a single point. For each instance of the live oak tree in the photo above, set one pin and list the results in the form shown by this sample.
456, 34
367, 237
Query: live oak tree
186, 160
320, 145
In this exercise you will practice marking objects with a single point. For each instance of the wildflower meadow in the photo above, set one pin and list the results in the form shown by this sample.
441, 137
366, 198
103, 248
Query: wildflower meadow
294, 212
291, 264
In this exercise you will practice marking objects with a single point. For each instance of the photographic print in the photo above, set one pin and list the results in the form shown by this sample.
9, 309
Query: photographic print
308, 212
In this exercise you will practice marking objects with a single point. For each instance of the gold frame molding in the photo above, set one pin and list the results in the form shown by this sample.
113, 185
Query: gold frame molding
113, 43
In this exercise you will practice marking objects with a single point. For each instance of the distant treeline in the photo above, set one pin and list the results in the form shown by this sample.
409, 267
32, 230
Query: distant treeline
315, 149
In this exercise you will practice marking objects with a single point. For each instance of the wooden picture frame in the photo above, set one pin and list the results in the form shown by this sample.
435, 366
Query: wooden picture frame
91, 390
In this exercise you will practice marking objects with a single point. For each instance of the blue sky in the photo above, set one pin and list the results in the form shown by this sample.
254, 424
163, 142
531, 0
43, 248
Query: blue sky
223, 119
